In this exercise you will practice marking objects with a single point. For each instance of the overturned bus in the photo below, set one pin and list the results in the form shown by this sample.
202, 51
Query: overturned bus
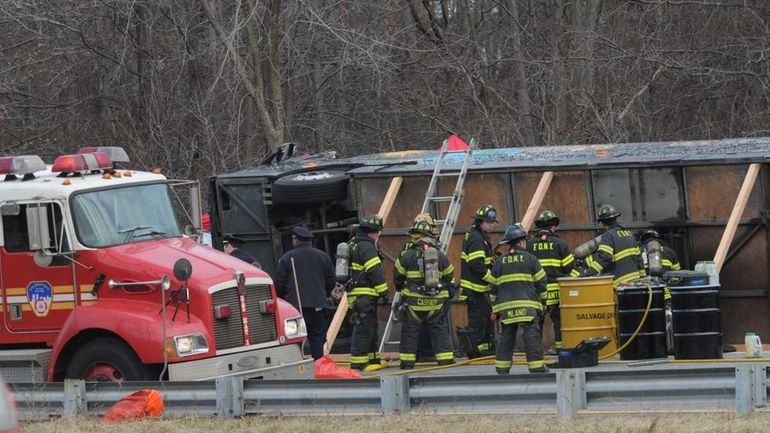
684, 190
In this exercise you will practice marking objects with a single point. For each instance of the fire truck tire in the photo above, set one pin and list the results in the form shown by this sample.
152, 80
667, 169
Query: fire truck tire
311, 187
106, 360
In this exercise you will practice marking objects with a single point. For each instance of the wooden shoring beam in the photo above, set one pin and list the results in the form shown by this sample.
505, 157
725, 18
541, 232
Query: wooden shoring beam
537, 200
735, 216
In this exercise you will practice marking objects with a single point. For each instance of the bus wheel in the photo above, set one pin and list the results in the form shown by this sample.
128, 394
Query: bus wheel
311, 187
106, 360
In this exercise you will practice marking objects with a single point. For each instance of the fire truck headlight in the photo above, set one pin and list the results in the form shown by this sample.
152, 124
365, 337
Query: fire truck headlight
186, 345
295, 327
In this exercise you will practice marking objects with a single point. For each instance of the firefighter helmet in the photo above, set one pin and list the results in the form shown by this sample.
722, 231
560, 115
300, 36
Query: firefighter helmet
371, 223
546, 219
424, 217
648, 234
607, 212
486, 213
514, 233
422, 227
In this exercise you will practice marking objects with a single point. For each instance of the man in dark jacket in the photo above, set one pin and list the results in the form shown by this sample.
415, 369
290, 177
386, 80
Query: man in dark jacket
423, 275
555, 258
368, 285
518, 299
475, 276
232, 246
618, 253
315, 277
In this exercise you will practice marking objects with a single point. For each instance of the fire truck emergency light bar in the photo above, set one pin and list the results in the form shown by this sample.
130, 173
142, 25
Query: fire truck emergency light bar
116, 154
81, 162
21, 165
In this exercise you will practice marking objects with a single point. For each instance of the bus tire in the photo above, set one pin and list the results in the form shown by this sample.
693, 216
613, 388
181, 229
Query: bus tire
311, 187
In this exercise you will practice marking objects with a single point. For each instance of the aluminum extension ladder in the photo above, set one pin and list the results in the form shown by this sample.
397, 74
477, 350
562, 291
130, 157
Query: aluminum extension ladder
448, 223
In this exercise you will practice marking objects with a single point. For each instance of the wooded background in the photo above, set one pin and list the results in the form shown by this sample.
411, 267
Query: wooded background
201, 87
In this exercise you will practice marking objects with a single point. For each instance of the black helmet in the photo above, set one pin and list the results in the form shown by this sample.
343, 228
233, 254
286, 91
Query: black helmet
546, 219
486, 213
371, 223
648, 234
513, 233
423, 227
607, 212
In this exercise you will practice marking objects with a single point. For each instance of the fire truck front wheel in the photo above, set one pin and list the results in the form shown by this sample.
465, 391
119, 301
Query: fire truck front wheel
106, 360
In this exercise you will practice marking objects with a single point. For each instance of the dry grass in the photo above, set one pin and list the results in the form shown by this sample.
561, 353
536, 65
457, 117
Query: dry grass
674, 423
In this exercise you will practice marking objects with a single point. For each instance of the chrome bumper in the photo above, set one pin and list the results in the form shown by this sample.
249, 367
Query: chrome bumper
278, 362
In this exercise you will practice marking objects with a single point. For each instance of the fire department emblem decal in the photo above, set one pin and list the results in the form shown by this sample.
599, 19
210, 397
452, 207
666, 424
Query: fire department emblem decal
40, 294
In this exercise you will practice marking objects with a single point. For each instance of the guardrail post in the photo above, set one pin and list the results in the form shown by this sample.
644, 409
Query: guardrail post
750, 387
394, 391
229, 397
746, 391
75, 397
570, 392
760, 385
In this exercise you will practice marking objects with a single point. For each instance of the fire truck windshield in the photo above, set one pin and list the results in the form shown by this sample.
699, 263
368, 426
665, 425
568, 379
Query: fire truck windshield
123, 215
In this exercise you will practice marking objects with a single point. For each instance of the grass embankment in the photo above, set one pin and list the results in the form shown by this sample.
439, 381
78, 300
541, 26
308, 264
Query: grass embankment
674, 423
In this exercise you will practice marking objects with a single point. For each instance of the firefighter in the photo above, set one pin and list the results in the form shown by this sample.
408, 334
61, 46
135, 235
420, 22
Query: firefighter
669, 258
424, 347
617, 252
475, 277
650, 242
518, 293
555, 258
368, 285
423, 275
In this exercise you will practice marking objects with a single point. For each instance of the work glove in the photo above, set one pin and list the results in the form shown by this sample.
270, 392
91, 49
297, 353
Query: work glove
337, 292
588, 272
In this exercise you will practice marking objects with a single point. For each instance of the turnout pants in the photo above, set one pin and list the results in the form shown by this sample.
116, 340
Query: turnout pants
364, 344
437, 325
555, 312
482, 328
506, 340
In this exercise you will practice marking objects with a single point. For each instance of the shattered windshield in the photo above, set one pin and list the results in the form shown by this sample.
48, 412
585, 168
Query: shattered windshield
124, 215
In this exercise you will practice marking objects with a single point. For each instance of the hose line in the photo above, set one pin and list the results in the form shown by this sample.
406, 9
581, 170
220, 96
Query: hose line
638, 328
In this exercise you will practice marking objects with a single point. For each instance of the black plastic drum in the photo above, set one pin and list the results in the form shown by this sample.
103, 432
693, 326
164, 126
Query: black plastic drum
697, 322
651, 341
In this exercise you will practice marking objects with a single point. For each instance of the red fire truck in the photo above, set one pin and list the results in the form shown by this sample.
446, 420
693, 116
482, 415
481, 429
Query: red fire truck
98, 281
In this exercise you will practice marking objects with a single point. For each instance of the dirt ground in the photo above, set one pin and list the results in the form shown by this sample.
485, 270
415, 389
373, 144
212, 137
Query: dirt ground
586, 423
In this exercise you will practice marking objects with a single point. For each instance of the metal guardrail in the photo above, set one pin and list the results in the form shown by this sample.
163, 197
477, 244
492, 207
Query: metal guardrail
742, 388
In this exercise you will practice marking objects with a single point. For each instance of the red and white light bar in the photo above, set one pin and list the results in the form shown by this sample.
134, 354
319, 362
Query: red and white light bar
81, 162
116, 154
21, 165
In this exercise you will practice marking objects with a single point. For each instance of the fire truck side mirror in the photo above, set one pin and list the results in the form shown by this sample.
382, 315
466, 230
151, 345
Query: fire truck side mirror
195, 206
37, 227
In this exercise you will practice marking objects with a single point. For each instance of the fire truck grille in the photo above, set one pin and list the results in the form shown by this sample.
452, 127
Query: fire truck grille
228, 332
261, 325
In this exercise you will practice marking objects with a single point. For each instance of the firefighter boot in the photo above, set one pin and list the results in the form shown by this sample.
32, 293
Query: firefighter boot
503, 370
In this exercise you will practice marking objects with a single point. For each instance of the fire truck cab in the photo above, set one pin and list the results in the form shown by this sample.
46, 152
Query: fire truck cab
98, 281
